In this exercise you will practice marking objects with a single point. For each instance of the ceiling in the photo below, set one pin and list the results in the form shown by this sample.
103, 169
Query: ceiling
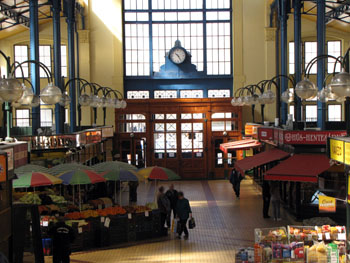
337, 13
14, 16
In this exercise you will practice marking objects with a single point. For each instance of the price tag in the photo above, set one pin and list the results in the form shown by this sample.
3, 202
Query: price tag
309, 237
107, 221
80, 230
341, 236
57, 215
102, 219
320, 236
129, 216
327, 236
146, 214
99, 206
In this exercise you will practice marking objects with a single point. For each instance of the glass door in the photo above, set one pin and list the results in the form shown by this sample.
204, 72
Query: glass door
192, 155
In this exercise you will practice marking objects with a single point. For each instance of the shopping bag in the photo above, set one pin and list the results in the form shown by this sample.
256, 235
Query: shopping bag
175, 226
191, 223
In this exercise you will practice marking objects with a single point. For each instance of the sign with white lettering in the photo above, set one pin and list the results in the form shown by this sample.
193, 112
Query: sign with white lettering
309, 137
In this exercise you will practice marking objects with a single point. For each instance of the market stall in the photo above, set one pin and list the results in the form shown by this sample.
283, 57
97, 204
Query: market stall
311, 244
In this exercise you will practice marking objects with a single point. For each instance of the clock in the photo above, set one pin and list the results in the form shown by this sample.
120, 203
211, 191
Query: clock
177, 55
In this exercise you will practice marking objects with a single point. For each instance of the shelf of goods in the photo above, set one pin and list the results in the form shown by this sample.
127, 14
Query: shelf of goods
309, 244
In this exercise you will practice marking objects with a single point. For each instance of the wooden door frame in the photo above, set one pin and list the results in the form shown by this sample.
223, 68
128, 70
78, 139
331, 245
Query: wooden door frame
148, 107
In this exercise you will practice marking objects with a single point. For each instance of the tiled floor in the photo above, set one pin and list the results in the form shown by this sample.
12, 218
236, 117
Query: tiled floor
223, 225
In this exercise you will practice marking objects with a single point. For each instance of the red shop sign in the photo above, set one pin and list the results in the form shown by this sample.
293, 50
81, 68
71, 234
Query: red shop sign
309, 137
265, 133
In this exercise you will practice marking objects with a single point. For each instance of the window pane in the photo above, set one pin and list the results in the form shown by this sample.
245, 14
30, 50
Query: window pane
45, 58
22, 118
46, 118
64, 68
334, 49
141, 94
219, 93
21, 54
311, 113
291, 58
311, 53
191, 93
334, 113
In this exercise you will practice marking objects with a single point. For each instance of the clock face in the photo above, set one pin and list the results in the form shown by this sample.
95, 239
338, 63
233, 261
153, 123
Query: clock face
177, 55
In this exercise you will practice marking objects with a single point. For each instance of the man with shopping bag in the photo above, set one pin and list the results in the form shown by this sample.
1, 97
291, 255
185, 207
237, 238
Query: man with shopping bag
183, 212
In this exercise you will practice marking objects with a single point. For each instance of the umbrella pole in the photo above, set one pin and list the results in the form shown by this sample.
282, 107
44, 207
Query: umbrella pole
120, 193
79, 198
115, 192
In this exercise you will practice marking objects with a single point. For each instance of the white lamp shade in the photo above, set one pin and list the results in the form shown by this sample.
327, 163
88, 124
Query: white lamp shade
65, 100
51, 94
340, 84
10, 89
27, 96
84, 99
305, 89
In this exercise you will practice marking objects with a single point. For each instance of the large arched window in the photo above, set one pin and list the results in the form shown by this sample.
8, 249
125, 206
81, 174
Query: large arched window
152, 26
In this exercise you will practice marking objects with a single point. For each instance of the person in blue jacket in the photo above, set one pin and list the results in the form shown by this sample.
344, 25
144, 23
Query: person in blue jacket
183, 212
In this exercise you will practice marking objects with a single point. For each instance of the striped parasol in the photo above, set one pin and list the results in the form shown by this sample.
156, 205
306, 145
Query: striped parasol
106, 166
67, 167
35, 179
158, 173
28, 168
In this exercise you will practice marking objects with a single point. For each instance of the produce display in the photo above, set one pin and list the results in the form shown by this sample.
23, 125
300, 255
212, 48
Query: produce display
304, 244
136, 209
109, 211
30, 198
271, 234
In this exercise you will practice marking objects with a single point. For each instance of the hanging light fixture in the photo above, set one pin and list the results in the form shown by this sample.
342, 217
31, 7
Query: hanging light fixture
95, 101
51, 94
84, 99
27, 96
16, 104
65, 100
35, 101
287, 96
340, 84
10, 89
267, 97
123, 104
305, 89
322, 95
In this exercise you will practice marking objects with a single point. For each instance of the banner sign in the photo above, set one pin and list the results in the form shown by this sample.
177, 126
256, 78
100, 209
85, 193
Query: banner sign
310, 137
265, 133
326, 204
3, 168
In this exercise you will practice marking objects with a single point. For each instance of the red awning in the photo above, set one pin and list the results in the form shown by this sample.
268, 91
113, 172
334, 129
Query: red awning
260, 159
239, 145
299, 168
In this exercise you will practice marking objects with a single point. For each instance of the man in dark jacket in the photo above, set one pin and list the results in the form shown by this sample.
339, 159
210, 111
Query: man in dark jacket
266, 194
62, 236
172, 196
164, 207
235, 180
183, 212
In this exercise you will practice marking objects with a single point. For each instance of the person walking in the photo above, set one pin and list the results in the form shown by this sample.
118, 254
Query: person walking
133, 191
275, 199
172, 195
183, 212
266, 194
164, 207
62, 236
235, 180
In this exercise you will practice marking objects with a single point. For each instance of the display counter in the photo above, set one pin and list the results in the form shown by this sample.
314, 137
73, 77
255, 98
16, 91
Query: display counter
310, 244
86, 147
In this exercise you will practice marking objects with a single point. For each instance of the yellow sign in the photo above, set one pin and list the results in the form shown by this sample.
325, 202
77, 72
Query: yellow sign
348, 189
326, 204
336, 149
347, 153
